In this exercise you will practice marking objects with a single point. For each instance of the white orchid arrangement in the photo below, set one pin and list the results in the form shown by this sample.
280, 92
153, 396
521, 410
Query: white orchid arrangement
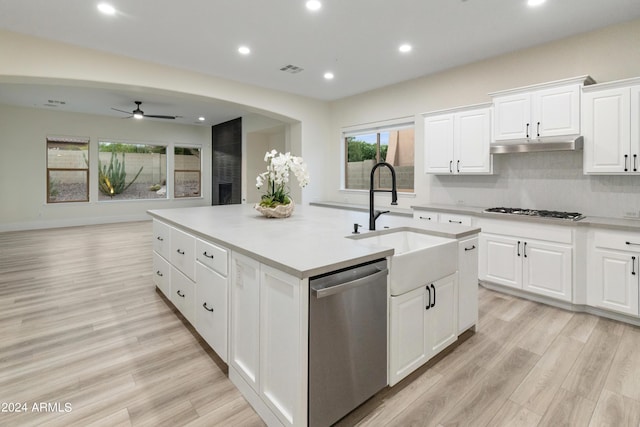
276, 177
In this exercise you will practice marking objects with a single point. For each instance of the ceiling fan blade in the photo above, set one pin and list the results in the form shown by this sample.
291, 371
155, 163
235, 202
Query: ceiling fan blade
160, 117
122, 111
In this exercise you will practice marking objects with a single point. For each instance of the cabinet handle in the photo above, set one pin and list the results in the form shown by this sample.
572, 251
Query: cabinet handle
159, 273
527, 130
160, 238
455, 222
181, 252
179, 294
207, 308
434, 295
207, 255
471, 248
458, 166
525, 250
451, 164
428, 302
428, 218
518, 247
631, 243
635, 163
633, 265
538, 130
626, 158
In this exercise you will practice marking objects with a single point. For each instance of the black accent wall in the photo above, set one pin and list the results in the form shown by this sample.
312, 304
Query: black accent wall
226, 164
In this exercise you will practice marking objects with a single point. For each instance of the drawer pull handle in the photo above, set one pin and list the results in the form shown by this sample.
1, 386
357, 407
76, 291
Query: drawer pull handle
455, 222
633, 265
159, 274
207, 308
181, 295
631, 243
429, 297
450, 164
471, 248
428, 218
635, 163
626, 159
518, 247
525, 249
433, 304
160, 238
181, 252
207, 255
458, 166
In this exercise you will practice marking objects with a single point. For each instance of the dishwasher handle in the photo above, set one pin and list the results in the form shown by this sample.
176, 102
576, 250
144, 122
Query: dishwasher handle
331, 290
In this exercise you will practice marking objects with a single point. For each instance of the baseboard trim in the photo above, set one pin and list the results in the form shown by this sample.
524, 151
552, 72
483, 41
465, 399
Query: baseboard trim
71, 222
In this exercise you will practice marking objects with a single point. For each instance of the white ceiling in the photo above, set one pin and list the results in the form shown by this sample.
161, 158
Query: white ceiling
355, 39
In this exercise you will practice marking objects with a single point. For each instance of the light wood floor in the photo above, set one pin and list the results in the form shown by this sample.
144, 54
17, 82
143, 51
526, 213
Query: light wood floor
81, 323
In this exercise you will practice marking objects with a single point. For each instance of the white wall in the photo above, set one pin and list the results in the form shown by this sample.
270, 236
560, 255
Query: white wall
24, 160
608, 54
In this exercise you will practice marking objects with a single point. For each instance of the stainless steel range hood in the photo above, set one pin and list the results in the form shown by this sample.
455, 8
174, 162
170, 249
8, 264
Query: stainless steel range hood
568, 143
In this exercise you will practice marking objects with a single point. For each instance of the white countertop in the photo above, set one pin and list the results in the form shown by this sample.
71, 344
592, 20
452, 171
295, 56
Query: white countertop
312, 241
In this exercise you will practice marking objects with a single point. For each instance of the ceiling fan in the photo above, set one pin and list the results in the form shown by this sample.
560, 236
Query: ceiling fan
139, 114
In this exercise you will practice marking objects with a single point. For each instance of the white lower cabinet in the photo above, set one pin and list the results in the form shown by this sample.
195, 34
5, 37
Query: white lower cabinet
543, 268
211, 308
467, 284
424, 322
614, 279
162, 274
268, 339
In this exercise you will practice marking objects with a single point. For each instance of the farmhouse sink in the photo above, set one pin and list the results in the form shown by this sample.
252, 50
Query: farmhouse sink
418, 258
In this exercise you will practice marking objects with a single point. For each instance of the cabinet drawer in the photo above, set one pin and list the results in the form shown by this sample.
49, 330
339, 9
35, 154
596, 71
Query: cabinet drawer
183, 294
211, 309
183, 251
162, 238
448, 218
620, 240
162, 274
212, 256
426, 216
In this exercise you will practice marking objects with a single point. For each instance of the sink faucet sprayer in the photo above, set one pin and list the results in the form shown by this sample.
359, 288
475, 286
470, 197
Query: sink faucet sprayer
373, 215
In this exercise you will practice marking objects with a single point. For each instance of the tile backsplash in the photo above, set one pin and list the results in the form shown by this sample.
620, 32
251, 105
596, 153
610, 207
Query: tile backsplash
547, 180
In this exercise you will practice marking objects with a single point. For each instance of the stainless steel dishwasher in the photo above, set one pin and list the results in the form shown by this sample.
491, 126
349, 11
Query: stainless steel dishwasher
347, 340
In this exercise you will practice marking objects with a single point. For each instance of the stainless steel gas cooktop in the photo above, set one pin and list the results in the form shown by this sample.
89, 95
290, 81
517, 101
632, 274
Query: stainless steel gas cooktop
571, 216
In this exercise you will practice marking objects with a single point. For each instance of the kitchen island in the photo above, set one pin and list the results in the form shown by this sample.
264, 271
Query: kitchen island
243, 281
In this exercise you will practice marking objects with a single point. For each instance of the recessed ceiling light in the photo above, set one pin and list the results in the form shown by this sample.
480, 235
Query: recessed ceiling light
533, 3
201, 119
404, 48
313, 5
244, 50
106, 8
328, 75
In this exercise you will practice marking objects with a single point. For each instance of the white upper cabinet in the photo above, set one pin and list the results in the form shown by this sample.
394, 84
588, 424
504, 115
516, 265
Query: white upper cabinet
544, 110
611, 117
457, 141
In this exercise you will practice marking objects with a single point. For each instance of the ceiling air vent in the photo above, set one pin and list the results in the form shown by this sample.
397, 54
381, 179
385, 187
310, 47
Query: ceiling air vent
293, 69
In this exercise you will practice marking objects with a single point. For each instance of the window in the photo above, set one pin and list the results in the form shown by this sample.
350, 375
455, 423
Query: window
130, 171
366, 148
67, 170
186, 174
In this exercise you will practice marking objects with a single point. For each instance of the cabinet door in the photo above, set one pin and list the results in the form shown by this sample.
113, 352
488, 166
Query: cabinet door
556, 112
467, 284
245, 318
472, 140
183, 294
162, 239
614, 285
438, 149
162, 274
183, 252
606, 130
635, 130
547, 269
283, 343
211, 309
408, 334
500, 260
442, 316
512, 116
